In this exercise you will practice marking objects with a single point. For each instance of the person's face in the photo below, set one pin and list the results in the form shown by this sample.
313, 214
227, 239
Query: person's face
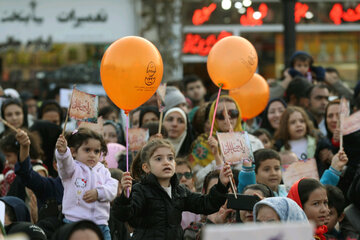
174, 124
11, 158
109, 134
275, 111
297, 126
103, 102
333, 219
84, 234
269, 173
14, 115
319, 99
162, 165
302, 67
196, 91
186, 176
316, 207
135, 120
332, 117
31, 106
222, 123
267, 214
266, 141
52, 116
149, 117
183, 107
247, 216
89, 152
112, 116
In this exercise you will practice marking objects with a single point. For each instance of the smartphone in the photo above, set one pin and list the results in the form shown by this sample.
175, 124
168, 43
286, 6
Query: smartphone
242, 202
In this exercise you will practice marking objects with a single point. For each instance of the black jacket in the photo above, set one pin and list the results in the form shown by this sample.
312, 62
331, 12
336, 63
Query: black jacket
155, 215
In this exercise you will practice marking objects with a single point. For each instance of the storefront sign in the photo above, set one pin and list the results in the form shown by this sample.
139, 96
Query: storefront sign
337, 14
202, 15
86, 21
195, 44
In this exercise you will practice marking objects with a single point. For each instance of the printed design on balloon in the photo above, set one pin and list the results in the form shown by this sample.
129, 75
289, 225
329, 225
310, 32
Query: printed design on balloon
252, 58
150, 72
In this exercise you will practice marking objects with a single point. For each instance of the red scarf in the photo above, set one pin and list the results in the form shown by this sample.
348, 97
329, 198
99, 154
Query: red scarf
294, 193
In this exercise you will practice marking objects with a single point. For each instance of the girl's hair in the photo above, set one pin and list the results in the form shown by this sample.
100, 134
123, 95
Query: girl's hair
283, 132
306, 187
334, 102
266, 191
106, 111
9, 144
15, 101
77, 138
209, 176
183, 161
144, 155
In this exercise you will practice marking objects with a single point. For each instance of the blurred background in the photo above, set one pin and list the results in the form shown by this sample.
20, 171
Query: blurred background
45, 44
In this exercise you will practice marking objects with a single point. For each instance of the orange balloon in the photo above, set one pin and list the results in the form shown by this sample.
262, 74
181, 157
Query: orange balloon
252, 97
232, 61
131, 71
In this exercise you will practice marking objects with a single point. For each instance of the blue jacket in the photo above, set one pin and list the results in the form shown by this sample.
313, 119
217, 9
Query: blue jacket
247, 177
44, 188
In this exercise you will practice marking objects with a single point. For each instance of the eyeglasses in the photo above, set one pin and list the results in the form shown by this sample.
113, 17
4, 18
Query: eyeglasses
232, 114
187, 175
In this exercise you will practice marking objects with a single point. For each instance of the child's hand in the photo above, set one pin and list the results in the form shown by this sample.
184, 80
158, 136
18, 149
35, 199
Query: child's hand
61, 144
225, 174
126, 181
339, 161
222, 214
90, 196
22, 138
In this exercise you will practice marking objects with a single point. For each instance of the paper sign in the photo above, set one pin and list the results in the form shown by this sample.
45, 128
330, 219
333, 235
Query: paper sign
137, 138
351, 124
263, 231
2, 212
65, 97
96, 127
299, 169
235, 147
83, 106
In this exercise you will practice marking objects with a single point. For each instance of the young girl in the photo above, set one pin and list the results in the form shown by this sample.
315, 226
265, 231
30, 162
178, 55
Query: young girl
155, 204
88, 186
296, 134
311, 196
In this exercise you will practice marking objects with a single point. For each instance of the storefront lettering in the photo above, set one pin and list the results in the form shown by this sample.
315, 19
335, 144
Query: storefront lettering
71, 16
19, 16
194, 44
37, 43
337, 14
203, 15
248, 18
300, 11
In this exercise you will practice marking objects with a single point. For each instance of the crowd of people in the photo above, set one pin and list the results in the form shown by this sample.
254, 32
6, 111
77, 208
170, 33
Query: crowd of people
72, 185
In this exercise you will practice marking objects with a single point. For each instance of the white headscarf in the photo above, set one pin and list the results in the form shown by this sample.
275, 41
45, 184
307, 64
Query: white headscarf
177, 142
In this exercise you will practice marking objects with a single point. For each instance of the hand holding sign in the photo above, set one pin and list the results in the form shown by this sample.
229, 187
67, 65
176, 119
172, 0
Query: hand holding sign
339, 161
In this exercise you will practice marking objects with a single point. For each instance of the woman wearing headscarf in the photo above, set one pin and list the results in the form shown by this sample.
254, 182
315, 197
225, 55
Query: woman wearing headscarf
272, 114
286, 209
148, 114
179, 131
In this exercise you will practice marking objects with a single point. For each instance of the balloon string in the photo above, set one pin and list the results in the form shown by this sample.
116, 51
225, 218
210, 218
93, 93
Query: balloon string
127, 147
216, 105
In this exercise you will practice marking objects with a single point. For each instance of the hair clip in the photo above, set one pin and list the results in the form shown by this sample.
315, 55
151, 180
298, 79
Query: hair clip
75, 131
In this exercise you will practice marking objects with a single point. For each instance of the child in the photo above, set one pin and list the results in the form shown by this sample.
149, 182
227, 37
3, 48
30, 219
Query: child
301, 64
311, 196
296, 134
88, 185
336, 206
265, 137
155, 204
268, 171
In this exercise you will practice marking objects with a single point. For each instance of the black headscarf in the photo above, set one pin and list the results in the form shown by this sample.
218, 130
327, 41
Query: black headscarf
146, 109
49, 133
265, 121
